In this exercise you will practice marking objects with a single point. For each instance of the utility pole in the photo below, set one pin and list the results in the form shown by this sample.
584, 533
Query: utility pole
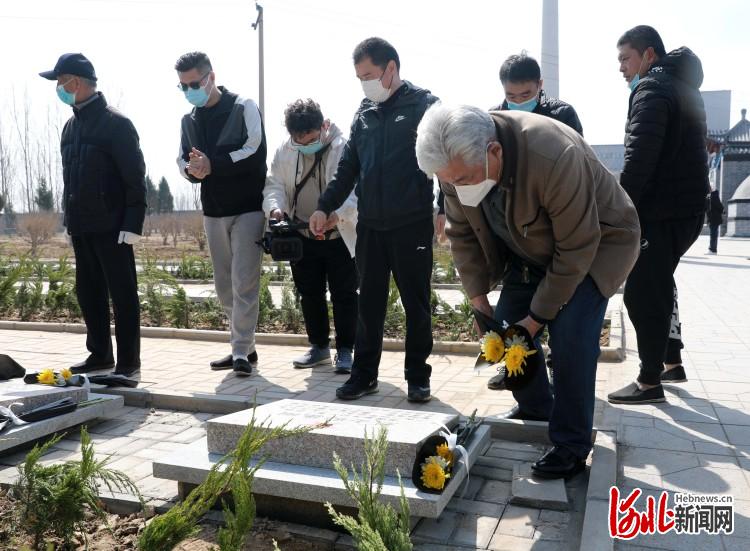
258, 26
550, 49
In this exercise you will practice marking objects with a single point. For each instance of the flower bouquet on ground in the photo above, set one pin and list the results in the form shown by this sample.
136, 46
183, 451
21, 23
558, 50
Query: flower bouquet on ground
49, 377
440, 454
507, 348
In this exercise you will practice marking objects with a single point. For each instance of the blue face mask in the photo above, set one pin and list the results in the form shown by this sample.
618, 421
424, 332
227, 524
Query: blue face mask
527, 106
198, 97
634, 81
309, 149
68, 98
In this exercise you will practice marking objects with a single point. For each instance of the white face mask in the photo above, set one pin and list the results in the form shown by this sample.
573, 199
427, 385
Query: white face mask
374, 89
471, 195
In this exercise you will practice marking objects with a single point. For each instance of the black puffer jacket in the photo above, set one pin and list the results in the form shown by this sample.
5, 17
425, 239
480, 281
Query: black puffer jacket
666, 164
554, 109
379, 157
103, 171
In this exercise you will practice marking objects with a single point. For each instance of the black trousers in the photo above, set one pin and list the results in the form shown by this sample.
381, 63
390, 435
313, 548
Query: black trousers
105, 269
651, 292
327, 261
406, 252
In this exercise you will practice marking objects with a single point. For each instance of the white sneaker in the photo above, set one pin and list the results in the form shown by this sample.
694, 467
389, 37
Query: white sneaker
711, 252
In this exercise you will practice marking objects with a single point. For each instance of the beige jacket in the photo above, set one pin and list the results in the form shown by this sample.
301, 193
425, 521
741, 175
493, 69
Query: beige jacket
565, 211
281, 180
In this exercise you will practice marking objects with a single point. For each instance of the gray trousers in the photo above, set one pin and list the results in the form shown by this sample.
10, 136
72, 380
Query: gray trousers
237, 261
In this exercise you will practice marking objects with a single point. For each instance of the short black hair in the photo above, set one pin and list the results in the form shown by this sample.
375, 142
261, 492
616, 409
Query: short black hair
302, 116
378, 50
193, 60
520, 68
642, 37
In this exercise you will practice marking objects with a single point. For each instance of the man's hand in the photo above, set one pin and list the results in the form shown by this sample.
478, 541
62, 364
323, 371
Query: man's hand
276, 214
318, 222
333, 220
532, 326
482, 304
129, 238
440, 228
199, 166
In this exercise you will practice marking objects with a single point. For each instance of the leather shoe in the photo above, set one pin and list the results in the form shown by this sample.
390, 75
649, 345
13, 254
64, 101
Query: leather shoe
126, 371
418, 392
558, 463
516, 413
92, 363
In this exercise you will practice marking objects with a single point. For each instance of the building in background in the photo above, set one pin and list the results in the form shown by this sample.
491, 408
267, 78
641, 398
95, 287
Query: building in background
729, 162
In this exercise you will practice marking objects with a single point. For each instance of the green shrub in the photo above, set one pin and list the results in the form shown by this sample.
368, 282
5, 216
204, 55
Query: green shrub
179, 309
291, 316
378, 526
180, 522
265, 301
54, 498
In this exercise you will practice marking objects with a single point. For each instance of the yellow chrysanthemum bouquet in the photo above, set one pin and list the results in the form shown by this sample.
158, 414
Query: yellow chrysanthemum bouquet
440, 454
508, 349
64, 377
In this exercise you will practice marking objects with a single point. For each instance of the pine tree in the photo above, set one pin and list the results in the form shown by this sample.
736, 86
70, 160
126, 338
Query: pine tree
152, 197
166, 201
44, 199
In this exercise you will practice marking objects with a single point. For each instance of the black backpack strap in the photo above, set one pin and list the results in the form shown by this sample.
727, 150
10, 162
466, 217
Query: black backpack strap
306, 177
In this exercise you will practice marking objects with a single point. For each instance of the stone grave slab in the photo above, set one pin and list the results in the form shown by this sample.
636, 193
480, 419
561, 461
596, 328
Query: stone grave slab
343, 433
314, 485
300, 469
22, 434
537, 492
15, 390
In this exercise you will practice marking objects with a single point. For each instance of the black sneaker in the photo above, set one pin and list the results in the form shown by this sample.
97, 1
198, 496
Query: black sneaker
227, 363
242, 367
419, 392
356, 388
674, 375
631, 394
252, 359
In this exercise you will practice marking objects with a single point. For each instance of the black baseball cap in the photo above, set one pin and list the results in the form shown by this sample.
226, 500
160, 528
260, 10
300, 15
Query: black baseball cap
71, 64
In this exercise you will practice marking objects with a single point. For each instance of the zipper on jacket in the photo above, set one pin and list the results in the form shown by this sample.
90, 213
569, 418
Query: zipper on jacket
526, 226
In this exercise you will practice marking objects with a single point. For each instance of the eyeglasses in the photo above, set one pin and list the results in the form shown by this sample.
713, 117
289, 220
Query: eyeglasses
194, 85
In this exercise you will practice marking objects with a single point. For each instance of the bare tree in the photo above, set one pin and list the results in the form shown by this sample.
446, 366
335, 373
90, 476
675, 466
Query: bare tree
192, 222
38, 228
22, 119
7, 172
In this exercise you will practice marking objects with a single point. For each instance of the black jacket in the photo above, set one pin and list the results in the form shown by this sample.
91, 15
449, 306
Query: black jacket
232, 136
714, 209
379, 156
103, 171
666, 164
554, 109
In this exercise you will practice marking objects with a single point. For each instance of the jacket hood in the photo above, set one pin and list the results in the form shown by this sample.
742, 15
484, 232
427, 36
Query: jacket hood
332, 134
683, 64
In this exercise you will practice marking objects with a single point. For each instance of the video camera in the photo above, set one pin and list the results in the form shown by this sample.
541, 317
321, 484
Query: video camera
283, 242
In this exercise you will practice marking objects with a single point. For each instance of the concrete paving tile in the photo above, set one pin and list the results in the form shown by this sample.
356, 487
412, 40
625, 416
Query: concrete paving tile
518, 521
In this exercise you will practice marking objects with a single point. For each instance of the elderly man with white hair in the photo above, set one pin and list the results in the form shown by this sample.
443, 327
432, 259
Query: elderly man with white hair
529, 204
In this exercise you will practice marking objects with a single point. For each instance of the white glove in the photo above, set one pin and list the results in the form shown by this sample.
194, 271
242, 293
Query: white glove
129, 238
